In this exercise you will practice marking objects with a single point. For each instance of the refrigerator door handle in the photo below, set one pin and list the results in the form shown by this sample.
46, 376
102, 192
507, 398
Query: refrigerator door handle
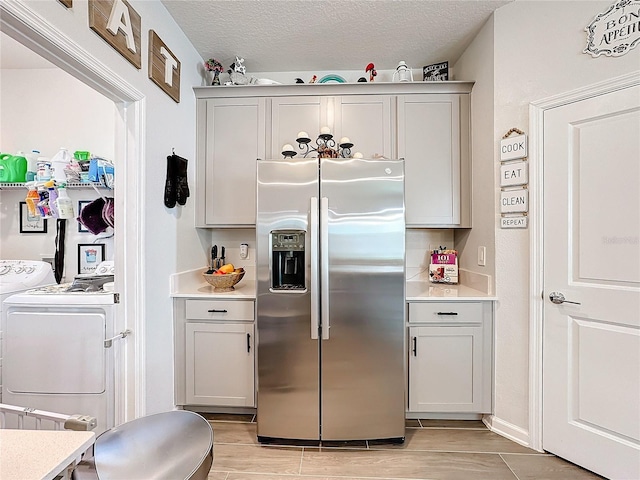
324, 266
315, 291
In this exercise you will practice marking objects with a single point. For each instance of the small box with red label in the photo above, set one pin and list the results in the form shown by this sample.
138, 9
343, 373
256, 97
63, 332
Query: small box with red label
444, 266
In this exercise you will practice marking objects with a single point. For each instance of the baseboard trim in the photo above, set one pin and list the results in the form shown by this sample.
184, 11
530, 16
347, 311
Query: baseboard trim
507, 430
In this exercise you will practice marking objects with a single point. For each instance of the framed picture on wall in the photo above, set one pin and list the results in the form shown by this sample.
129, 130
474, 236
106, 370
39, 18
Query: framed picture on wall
81, 205
31, 223
89, 256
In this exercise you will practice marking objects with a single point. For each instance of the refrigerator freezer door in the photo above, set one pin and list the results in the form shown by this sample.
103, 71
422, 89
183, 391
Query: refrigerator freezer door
287, 356
362, 361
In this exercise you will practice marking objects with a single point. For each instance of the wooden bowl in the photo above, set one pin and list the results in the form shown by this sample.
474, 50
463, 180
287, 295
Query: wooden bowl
224, 282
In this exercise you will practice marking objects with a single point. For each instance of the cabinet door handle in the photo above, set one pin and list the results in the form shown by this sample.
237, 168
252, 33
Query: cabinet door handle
248, 343
216, 311
447, 313
415, 346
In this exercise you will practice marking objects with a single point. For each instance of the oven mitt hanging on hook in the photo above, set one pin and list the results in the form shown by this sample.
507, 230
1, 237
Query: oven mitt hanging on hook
182, 187
170, 191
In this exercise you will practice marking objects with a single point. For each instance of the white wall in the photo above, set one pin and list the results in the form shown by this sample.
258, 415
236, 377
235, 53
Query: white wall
477, 64
76, 117
45, 109
169, 239
537, 53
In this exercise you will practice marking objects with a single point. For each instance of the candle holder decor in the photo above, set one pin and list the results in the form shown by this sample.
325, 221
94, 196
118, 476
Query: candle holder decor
325, 146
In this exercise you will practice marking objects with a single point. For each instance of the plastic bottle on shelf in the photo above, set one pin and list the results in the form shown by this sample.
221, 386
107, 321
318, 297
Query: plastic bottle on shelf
32, 165
64, 203
32, 199
53, 196
59, 162
13, 168
42, 207
44, 171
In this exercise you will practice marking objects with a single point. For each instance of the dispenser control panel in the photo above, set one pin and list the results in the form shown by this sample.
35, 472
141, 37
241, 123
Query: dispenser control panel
287, 260
287, 240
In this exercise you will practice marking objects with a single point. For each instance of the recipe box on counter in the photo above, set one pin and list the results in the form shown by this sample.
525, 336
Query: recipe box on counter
444, 266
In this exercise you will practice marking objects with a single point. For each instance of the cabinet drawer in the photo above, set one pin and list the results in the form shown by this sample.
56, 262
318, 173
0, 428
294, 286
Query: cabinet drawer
219, 310
445, 312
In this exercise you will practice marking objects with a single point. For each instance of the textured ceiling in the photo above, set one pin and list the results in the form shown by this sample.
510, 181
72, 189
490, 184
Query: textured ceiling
309, 35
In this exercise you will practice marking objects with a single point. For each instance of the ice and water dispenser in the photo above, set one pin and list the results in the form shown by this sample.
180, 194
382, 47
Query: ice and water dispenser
287, 260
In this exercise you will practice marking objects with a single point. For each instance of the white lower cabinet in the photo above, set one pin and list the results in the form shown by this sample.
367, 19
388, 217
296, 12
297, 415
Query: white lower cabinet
215, 353
450, 357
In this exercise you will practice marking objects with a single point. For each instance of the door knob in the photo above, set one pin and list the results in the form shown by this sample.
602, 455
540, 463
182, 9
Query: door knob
558, 298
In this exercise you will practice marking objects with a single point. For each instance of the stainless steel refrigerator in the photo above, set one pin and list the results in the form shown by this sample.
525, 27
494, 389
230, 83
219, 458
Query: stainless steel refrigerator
330, 241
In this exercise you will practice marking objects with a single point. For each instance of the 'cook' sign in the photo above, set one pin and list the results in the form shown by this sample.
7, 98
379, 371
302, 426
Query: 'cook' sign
616, 31
512, 148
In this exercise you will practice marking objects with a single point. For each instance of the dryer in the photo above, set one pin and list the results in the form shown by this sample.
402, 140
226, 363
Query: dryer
18, 276
59, 352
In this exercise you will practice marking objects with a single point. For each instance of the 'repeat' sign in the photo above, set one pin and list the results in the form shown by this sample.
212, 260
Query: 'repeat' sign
164, 67
119, 25
615, 31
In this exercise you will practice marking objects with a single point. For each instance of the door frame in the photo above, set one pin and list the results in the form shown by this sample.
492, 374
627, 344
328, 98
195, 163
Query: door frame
29, 28
536, 236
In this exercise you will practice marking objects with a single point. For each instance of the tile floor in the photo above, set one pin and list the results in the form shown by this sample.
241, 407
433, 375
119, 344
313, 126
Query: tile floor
433, 450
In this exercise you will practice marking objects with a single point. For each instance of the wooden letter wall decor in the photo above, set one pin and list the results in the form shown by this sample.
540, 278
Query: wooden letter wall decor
119, 25
164, 67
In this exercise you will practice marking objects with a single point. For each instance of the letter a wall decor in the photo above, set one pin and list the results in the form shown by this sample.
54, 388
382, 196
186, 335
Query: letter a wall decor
119, 25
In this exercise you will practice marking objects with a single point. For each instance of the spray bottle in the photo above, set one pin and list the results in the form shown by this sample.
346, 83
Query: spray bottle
32, 199
53, 196
64, 203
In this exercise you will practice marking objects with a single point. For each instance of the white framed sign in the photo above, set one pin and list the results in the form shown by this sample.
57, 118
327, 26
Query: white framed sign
512, 174
514, 222
616, 31
514, 201
513, 148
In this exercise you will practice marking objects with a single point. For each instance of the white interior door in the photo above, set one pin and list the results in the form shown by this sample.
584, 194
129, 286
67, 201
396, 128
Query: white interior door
591, 348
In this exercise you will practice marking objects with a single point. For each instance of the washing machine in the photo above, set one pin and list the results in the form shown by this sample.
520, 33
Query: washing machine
60, 350
18, 276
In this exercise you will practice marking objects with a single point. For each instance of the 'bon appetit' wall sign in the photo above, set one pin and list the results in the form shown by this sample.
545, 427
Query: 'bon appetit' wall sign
120, 26
615, 31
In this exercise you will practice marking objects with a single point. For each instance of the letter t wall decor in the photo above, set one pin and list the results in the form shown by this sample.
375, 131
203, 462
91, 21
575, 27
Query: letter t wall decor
119, 25
164, 67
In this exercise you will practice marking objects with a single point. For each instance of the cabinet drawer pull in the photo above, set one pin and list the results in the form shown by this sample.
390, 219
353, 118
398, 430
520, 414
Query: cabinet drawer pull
248, 343
216, 311
415, 346
447, 313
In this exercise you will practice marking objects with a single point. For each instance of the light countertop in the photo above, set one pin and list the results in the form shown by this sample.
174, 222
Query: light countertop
245, 290
190, 284
424, 291
41, 454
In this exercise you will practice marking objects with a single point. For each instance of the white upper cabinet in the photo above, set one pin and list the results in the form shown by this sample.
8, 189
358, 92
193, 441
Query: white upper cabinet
426, 123
366, 120
290, 115
434, 142
230, 138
